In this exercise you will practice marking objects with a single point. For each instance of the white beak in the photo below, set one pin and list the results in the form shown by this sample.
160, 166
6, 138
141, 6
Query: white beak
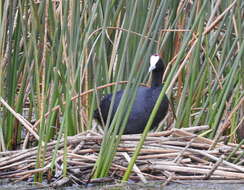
152, 67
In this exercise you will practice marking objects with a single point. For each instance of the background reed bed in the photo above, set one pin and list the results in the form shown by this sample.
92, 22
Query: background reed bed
59, 57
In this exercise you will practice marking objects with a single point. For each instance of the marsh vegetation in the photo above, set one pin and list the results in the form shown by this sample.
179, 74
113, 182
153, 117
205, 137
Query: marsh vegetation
58, 58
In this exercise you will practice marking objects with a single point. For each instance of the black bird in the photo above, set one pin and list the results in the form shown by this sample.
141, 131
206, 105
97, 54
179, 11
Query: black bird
144, 101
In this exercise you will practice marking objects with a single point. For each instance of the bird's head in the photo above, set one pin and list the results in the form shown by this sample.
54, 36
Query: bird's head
156, 63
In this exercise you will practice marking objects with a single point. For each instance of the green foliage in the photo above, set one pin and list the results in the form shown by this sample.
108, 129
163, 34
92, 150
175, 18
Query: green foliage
52, 51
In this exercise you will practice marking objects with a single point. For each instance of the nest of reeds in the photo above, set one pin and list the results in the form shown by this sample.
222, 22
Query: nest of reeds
177, 154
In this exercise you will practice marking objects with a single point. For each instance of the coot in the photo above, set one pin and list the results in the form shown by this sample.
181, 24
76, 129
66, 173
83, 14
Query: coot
144, 101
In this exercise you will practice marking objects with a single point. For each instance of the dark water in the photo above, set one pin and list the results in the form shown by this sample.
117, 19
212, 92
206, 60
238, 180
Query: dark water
181, 185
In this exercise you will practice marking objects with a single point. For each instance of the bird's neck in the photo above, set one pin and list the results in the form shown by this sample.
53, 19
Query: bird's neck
156, 78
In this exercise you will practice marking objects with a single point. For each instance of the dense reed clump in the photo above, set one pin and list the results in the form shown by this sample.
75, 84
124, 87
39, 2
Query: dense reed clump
55, 55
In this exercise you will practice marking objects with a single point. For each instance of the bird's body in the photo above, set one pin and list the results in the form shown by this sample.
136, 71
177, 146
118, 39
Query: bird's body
140, 112
142, 107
